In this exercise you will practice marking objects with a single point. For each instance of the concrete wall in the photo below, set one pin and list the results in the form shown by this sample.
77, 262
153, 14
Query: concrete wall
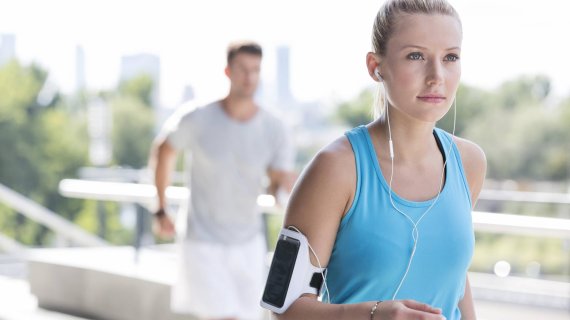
110, 283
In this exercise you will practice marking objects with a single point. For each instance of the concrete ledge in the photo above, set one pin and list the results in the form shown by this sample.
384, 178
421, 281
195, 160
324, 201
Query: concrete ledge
111, 283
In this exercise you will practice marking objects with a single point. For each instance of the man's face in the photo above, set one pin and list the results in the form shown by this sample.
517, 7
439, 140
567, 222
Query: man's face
243, 72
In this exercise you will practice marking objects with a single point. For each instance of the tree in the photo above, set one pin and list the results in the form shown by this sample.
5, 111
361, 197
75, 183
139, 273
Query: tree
40, 144
140, 87
472, 103
133, 131
523, 139
133, 122
524, 91
358, 111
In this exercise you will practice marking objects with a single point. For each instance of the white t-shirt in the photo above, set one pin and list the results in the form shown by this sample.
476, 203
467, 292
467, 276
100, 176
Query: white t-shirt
227, 161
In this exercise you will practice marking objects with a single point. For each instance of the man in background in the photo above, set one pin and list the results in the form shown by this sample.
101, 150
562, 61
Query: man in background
235, 150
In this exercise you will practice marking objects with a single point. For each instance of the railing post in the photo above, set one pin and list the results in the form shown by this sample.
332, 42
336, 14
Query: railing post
101, 220
143, 230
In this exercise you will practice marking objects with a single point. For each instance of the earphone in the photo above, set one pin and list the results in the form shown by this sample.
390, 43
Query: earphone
378, 75
415, 231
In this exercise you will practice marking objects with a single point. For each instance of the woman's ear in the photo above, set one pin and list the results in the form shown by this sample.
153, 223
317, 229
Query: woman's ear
373, 65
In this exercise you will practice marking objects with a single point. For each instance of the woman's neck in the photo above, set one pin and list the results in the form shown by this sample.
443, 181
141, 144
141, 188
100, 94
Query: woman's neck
411, 140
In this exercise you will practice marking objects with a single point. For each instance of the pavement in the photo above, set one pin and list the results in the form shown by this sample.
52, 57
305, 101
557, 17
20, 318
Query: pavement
16, 303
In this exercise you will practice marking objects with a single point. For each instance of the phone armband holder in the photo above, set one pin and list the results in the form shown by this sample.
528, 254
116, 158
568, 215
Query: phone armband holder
291, 273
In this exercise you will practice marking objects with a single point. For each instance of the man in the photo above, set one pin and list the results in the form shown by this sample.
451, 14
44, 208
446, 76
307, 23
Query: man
232, 145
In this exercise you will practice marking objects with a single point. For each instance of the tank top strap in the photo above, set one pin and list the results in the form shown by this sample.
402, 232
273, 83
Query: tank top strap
365, 170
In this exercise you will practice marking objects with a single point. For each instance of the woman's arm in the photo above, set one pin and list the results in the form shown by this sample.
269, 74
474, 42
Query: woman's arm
475, 165
321, 197
466, 305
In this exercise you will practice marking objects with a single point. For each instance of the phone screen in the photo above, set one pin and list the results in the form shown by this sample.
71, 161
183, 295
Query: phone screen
281, 271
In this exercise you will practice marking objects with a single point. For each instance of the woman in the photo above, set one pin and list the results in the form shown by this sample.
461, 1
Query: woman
387, 207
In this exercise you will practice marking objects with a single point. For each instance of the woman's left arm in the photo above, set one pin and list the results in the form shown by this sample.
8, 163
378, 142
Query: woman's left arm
475, 166
466, 305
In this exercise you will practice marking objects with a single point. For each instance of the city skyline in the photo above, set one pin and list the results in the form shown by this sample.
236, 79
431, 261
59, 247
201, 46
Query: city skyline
327, 42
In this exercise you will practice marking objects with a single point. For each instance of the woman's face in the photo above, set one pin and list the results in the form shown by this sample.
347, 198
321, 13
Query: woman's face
421, 67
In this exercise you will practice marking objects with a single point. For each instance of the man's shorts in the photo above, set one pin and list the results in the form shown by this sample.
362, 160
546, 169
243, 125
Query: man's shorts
220, 280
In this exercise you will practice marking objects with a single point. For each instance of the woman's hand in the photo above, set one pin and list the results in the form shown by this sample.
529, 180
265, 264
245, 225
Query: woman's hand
406, 310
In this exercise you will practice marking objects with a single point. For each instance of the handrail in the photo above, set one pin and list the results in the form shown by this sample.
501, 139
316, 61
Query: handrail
146, 194
521, 225
48, 218
10, 245
525, 196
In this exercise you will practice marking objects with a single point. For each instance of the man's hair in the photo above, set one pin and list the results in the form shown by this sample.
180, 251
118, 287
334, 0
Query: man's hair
248, 47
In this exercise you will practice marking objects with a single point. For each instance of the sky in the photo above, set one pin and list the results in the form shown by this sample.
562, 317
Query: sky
328, 41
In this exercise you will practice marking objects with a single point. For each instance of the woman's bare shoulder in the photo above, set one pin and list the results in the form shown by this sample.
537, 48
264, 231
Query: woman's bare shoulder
474, 163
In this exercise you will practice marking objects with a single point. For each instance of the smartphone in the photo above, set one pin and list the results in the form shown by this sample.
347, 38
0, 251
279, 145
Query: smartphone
281, 270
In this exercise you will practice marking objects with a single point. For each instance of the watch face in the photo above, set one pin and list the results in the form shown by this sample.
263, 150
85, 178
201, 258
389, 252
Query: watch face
281, 271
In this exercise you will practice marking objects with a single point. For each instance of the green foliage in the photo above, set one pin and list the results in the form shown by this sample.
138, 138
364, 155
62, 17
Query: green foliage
133, 122
358, 111
273, 223
522, 134
19, 88
549, 253
139, 87
133, 131
523, 92
43, 144
523, 142
471, 104
39, 146
115, 233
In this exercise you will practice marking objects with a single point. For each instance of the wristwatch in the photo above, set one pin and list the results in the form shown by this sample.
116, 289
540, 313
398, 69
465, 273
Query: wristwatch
160, 213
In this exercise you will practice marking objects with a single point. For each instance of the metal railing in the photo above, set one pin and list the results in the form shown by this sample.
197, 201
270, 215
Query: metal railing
46, 217
511, 289
524, 196
145, 194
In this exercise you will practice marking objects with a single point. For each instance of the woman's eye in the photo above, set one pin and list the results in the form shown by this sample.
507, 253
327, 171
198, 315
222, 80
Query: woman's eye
415, 56
451, 57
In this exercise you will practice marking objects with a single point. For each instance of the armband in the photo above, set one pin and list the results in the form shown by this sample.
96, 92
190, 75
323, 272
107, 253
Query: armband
291, 273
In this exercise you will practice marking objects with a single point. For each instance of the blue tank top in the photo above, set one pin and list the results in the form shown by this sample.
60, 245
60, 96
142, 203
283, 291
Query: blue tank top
374, 241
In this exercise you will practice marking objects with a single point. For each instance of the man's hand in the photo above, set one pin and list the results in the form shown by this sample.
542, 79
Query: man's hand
163, 226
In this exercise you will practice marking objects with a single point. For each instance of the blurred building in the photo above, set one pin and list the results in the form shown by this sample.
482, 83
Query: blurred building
7, 48
80, 82
284, 95
99, 123
146, 64
139, 64
187, 93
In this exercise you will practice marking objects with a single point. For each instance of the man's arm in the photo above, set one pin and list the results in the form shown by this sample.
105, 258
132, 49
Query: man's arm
162, 160
280, 180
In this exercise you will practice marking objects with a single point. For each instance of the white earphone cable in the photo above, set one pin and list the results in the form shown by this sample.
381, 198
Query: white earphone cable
415, 231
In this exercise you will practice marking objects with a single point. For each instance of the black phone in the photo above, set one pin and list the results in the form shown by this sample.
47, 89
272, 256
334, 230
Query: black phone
281, 270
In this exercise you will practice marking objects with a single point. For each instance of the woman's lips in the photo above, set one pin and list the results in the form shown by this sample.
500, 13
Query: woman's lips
432, 98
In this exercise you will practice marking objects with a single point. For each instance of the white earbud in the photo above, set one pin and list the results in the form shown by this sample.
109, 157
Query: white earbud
377, 74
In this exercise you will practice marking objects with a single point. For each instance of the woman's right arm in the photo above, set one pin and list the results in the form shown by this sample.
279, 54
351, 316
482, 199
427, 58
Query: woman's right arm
321, 197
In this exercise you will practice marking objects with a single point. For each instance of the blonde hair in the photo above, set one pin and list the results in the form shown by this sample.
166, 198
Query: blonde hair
386, 19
